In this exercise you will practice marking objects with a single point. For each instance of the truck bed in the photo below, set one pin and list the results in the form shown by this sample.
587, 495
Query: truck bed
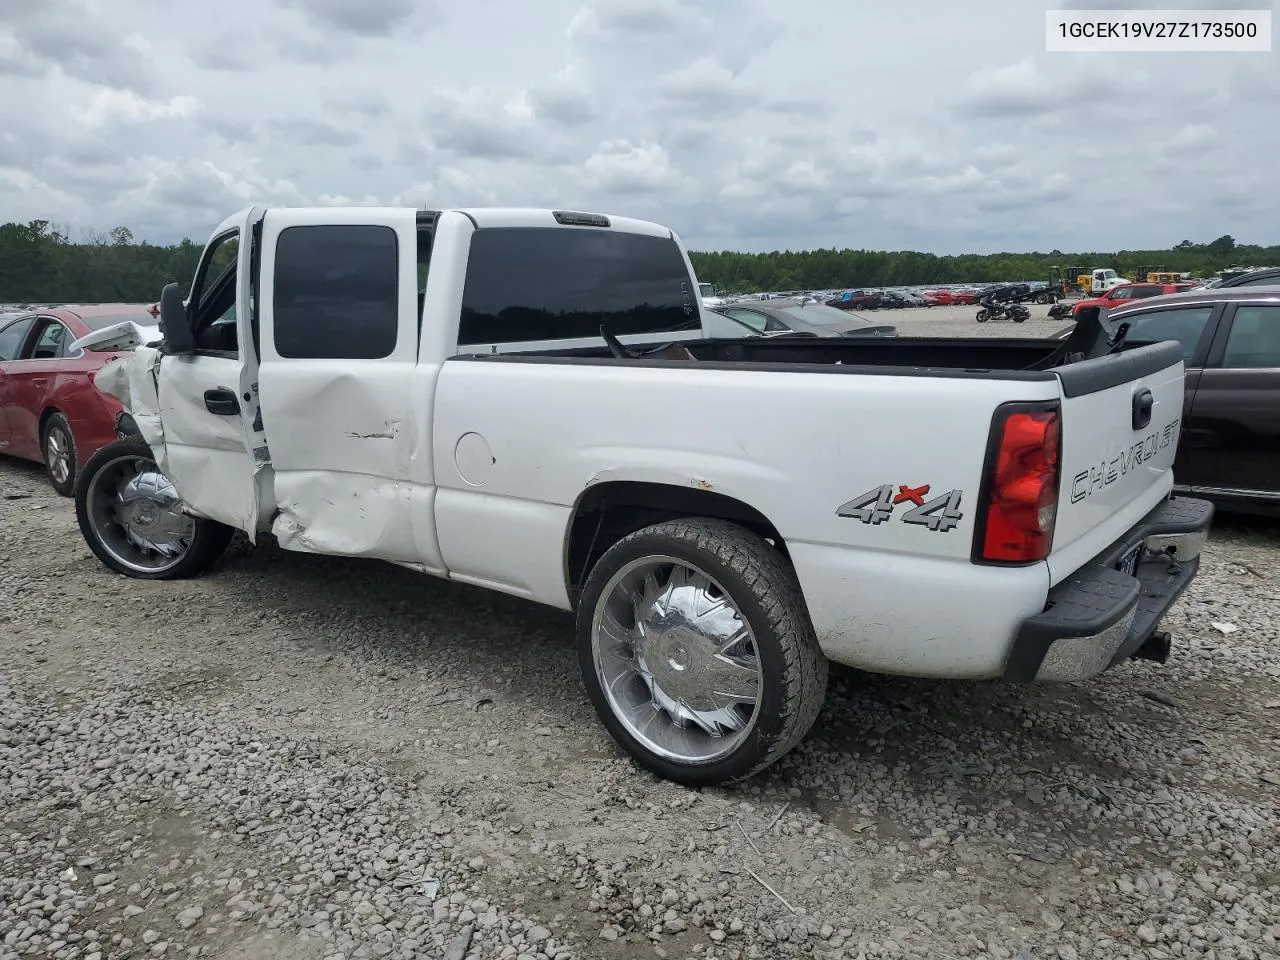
987, 359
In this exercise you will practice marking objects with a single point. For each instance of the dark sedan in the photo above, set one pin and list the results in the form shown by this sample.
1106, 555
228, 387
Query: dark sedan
809, 317
1269, 277
1229, 451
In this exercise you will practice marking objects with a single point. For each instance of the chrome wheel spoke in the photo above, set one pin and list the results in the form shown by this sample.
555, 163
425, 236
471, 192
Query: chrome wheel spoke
136, 515
684, 678
733, 681
58, 455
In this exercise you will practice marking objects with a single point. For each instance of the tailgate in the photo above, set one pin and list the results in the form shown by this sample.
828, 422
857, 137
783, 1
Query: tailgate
1121, 416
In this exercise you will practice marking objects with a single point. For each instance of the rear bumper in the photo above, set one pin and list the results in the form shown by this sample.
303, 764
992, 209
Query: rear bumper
1100, 615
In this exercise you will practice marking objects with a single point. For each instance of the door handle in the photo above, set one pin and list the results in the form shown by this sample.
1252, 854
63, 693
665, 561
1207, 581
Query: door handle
221, 401
1143, 401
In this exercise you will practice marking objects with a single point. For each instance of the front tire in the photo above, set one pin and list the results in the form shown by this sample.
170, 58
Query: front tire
131, 517
983, 316
58, 447
697, 651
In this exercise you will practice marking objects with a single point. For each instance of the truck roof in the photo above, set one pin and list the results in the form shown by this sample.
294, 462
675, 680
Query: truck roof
481, 217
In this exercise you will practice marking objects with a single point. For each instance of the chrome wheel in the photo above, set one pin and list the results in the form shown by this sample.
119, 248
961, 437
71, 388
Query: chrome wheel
136, 515
676, 660
57, 455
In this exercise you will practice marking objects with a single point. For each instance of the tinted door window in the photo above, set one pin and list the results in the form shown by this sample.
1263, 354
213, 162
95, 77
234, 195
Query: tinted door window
12, 338
337, 292
1141, 292
560, 283
1185, 325
1254, 340
51, 343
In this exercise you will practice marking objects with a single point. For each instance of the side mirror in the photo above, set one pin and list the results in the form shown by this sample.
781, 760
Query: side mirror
174, 324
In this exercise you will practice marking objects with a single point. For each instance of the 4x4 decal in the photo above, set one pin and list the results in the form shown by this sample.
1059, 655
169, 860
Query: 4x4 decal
941, 514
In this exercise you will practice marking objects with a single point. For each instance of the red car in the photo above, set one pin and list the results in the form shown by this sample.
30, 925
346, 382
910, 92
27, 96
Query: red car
50, 410
1127, 293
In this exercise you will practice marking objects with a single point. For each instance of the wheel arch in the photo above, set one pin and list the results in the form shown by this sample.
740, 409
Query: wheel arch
46, 415
606, 512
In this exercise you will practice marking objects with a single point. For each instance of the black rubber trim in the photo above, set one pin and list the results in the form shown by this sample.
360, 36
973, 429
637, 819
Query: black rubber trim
1161, 583
126, 426
1115, 369
1097, 596
844, 369
1091, 600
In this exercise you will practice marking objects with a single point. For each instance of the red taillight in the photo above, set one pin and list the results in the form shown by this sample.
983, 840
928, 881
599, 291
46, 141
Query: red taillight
1022, 487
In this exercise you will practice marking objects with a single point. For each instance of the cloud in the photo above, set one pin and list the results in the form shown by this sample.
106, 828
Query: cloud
303, 132
110, 105
563, 98
368, 18
74, 38
1017, 89
484, 123
733, 125
705, 84
1192, 138
621, 167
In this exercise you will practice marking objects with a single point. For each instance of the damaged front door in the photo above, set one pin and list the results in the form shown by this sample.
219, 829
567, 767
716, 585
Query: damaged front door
339, 347
206, 399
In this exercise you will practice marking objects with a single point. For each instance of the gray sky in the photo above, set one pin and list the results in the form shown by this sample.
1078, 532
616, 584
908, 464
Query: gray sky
743, 124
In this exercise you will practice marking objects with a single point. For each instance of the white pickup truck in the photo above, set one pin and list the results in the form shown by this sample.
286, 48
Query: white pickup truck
527, 400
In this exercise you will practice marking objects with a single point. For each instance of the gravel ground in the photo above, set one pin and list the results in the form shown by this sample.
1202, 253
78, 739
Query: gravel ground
309, 757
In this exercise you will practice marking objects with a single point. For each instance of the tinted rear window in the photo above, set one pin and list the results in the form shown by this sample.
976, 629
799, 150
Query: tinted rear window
821, 315
561, 283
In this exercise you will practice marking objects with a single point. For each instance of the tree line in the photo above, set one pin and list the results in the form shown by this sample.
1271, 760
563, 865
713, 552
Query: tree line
41, 263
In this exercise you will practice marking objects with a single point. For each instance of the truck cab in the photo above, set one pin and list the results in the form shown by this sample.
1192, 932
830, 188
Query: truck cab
1104, 279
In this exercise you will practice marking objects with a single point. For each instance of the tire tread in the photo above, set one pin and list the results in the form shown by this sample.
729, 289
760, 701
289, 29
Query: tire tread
775, 588
209, 542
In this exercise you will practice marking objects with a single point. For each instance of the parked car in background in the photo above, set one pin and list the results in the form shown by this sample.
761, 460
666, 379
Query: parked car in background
1127, 293
856, 300
1254, 278
901, 299
1230, 447
50, 410
810, 317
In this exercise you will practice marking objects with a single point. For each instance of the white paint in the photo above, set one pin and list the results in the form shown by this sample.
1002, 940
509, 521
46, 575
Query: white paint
1097, 434
119, 336
474, 459
132, 380
470, 468
341, 431
209, 456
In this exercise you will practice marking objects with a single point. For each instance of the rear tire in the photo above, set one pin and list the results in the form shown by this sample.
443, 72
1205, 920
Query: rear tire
131, 518
58, 449
697, 651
